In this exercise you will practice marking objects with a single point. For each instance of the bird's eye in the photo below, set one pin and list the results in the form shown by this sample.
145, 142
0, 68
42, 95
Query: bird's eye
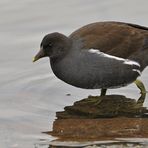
47, 45
50, 45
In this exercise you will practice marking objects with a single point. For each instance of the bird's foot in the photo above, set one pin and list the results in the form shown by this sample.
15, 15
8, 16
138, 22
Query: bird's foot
94, 100
143, 92
98, 101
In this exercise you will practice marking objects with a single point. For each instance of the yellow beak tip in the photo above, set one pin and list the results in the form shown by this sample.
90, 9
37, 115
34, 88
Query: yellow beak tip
33, 60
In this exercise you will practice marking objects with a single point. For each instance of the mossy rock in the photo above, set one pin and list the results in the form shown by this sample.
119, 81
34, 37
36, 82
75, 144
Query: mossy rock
104, 107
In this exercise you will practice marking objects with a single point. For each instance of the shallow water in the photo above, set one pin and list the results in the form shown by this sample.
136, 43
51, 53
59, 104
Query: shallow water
29, 93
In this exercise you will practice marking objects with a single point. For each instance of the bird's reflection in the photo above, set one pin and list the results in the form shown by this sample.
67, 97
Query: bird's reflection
101, 118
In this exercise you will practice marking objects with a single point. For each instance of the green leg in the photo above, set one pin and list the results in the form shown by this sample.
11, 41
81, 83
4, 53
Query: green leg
143, 91
140, 85
103, 92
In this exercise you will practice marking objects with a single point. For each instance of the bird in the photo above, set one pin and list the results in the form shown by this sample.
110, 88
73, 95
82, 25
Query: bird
100, 55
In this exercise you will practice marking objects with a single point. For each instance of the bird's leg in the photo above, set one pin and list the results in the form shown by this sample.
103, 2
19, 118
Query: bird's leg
140, 85
143, 91
103, 92
99, 100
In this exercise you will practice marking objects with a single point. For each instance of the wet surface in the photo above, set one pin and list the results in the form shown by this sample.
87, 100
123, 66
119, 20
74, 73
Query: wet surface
30, 95
90, 120
99, 144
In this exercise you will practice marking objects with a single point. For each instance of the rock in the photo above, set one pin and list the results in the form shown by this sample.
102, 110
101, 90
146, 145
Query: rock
103, 107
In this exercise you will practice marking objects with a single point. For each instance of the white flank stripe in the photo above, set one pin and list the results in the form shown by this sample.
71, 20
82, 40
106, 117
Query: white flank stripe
125, 61
130, 62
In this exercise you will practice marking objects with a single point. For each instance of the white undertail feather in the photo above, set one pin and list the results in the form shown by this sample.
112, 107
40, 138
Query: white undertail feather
138, 71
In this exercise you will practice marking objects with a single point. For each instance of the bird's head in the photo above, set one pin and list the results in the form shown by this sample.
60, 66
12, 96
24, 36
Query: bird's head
53, 45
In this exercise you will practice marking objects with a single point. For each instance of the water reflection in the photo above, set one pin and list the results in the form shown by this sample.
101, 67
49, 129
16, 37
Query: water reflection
97, 144
115, 116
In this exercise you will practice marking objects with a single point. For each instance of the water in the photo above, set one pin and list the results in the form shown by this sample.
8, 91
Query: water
29, 93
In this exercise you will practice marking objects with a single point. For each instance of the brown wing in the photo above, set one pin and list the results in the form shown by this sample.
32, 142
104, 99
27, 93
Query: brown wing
115, 38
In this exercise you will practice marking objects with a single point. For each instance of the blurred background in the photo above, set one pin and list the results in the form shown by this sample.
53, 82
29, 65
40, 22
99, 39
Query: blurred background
30, 94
